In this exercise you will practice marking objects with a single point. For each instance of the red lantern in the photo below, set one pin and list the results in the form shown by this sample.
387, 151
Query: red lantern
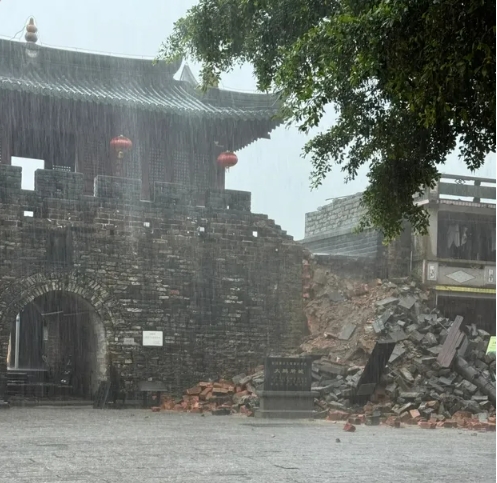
227, 159
121, 145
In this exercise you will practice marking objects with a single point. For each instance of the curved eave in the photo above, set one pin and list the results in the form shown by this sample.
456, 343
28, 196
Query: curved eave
177, 100
124, 82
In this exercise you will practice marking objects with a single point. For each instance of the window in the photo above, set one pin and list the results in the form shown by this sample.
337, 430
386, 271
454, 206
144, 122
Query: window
466, 237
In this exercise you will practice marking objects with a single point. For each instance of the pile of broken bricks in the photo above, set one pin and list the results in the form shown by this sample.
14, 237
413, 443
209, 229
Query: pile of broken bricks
221, 397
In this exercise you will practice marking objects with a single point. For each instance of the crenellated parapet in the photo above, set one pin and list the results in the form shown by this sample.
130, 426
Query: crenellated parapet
63, 185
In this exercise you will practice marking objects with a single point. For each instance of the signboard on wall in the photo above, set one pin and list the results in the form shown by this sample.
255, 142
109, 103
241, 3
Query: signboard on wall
153, 338
491, 345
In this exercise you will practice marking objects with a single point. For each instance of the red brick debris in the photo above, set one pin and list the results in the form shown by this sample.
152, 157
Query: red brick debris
220, 397
460, 419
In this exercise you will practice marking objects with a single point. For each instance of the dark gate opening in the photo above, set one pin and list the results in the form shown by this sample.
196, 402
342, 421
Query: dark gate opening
53, 349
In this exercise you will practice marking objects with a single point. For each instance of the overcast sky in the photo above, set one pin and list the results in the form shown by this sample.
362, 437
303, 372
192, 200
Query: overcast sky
272, 170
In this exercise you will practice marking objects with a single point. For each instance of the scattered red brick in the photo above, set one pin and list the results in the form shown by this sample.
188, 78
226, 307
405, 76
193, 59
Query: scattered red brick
354, 419
427, 424
156, 409
350, 428
219, 391
337, 416
211, 396
393, 421
414, 413
448, 423
462, 415
194, 391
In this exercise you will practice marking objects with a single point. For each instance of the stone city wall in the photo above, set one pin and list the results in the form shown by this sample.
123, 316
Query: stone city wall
224, 285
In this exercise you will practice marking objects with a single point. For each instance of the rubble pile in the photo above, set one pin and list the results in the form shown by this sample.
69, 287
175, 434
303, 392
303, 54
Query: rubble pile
221, 397
415, 387
333, 302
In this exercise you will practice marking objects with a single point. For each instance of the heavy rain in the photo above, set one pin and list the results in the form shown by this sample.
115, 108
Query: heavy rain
190, 292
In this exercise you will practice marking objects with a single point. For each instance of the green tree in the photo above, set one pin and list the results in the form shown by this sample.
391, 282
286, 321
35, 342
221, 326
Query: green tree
408, 79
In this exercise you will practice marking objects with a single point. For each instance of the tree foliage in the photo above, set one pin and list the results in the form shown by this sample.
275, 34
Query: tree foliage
408, 79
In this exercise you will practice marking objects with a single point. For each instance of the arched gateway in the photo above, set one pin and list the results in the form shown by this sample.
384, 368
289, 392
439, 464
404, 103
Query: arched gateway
53, 335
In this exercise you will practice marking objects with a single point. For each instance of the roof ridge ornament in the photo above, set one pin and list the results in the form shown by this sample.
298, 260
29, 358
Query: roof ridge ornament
31, 38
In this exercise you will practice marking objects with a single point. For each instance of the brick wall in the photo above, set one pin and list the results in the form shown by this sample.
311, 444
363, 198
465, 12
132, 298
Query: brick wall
223, 284
366, 244
341, 214
331, 230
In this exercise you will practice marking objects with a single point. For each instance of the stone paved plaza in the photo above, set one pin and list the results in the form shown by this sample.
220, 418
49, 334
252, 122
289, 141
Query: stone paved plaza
46, 445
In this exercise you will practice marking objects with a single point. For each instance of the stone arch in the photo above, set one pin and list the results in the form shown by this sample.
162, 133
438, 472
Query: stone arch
19, 294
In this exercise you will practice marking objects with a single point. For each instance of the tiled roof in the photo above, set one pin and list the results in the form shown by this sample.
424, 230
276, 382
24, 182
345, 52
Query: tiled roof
122, 81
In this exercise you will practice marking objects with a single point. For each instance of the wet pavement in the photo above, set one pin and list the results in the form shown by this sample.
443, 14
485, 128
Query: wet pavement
85, 445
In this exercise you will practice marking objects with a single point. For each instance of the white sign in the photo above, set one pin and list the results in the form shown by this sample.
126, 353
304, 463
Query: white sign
432, 271
128, 341
153, 338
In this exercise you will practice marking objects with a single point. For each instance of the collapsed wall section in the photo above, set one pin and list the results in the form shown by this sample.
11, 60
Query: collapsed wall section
222, 284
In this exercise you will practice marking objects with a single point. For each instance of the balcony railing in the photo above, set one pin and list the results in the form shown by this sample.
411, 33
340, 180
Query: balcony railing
463, 188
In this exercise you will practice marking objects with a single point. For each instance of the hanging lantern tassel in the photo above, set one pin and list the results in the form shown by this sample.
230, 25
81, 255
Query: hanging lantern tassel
227, 160
121, 145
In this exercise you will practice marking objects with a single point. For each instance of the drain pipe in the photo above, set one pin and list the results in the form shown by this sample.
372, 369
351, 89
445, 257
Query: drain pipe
18, 339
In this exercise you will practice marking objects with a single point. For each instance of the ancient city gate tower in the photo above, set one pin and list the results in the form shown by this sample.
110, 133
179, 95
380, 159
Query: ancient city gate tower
112, 247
